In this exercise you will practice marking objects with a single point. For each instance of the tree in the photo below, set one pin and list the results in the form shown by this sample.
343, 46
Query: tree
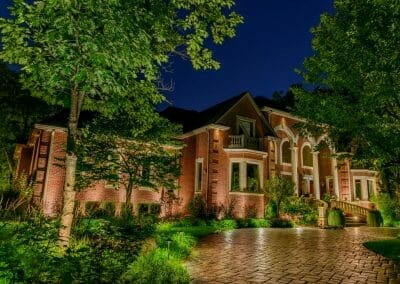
105, 56
149, 159
355, 73
19, 111
278, 189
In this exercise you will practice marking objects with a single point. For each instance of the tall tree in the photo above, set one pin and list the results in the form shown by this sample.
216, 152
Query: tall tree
105, 55
355, 70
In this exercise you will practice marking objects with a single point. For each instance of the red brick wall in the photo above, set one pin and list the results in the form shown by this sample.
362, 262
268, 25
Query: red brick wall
53, 192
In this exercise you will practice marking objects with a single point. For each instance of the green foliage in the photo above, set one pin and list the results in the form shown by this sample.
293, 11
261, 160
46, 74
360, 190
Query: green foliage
272, 210
179, 244
103, 51
109, 147
253, 223
301, 210
355, 72
223, 225
388, 207
158, 267
197, 207
16, 202
281, 223
336, 218
278, 189
374, 219
91, 208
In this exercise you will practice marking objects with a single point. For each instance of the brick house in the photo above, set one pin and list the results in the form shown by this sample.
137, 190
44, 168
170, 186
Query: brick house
231, 149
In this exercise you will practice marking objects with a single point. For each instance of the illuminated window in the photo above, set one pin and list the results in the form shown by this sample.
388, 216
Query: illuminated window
235, 177
307, 157
199, 175
286, 152
245, 175
253, 178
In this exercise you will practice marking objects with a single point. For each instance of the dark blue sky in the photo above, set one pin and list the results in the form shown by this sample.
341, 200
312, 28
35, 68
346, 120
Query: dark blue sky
274, 39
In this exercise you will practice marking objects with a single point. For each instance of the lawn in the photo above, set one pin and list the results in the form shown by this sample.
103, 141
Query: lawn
387, 248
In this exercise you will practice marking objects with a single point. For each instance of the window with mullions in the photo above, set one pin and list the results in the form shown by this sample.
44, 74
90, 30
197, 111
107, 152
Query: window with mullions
235, 177
253, 178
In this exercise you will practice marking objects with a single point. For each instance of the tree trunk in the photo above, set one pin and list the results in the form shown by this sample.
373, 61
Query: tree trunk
67, 216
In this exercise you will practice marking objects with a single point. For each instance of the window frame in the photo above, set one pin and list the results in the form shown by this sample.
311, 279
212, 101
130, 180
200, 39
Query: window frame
243, 172
196, 181
281, 150
246, 119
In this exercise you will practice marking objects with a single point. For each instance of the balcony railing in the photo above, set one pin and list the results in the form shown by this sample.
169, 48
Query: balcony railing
245, 142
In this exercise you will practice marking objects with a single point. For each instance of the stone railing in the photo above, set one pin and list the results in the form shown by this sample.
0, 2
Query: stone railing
350, 208
243, 141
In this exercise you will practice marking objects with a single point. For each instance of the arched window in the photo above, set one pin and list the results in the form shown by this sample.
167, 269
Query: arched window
307, 156
286, 152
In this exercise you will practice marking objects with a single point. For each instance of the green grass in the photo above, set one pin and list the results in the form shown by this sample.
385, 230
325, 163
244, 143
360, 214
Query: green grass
387, 248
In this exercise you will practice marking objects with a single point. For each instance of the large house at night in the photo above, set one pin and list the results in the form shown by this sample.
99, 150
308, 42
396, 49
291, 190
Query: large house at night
231, 150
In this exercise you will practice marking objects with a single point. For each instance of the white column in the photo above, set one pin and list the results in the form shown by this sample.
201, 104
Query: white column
316, 175
295, 174
335, 177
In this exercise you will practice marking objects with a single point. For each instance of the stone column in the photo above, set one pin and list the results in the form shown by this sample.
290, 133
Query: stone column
295, 174
317, 189
335, 178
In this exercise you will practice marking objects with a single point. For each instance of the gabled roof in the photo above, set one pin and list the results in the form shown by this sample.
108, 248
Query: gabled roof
191, 119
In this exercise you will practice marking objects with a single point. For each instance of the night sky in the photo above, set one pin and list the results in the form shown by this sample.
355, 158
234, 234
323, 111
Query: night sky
274, 40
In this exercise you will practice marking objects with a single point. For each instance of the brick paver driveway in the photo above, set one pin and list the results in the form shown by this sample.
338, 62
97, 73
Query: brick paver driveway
300, 255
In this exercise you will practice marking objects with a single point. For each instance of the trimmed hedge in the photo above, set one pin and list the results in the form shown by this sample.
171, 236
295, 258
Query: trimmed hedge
336, 218
374, 219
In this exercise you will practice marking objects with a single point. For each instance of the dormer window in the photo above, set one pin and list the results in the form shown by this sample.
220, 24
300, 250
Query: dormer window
245, 126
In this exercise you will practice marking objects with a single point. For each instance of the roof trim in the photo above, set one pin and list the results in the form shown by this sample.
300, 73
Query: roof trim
282, 113
203, 129
259, 113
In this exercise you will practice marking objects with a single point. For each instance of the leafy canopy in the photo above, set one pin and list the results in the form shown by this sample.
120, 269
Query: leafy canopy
148, 159
355, 70
108, 52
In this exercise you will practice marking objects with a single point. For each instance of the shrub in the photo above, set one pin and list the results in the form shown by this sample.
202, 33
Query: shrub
109, 209
223, 225
301, 210
259, 223
281, 223
278, 190
272, 210
197, 207
181, 244
158, 267
91, 207
199, 210
374, 219
388, 207
336, 218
